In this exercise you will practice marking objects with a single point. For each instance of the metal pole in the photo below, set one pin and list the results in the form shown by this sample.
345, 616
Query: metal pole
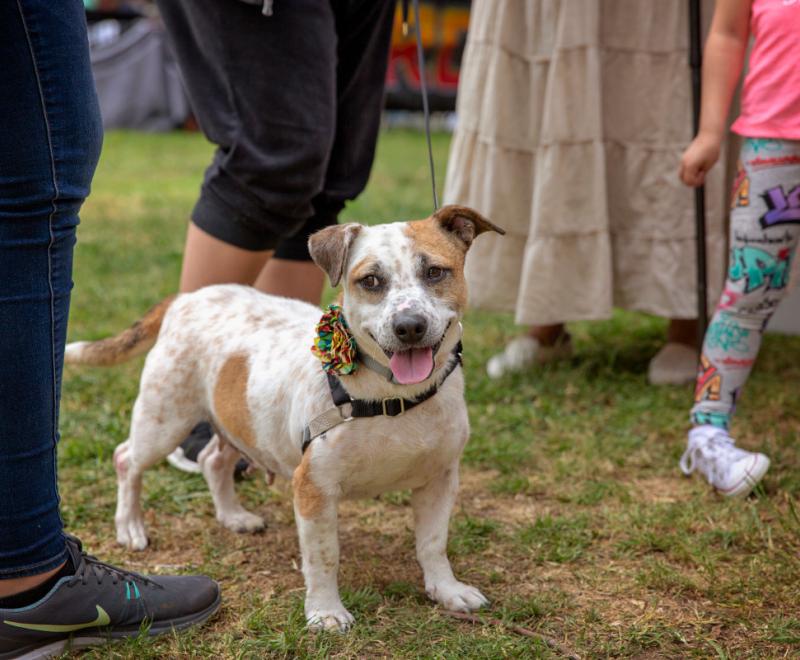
696, 65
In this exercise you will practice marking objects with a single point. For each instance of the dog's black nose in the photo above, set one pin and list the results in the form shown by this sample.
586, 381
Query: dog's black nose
410, 328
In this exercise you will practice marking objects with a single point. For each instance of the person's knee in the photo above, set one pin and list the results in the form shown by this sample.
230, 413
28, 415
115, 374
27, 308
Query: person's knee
76, 164
756, 277
58, 186
55, 183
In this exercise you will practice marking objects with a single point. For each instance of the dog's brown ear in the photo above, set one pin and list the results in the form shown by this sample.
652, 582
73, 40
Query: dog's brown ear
464, 223
329, 247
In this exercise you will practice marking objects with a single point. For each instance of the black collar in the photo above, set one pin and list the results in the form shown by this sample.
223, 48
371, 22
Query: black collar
349, 408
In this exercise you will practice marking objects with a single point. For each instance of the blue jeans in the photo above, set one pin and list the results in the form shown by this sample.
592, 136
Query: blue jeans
50, 138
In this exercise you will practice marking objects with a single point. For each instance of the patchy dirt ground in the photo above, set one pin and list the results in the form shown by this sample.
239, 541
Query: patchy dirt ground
601, 583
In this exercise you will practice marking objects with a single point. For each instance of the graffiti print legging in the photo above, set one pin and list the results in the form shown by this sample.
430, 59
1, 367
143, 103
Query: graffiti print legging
765, 227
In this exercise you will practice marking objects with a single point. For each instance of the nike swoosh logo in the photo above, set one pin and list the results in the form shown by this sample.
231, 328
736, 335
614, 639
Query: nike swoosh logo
102, 620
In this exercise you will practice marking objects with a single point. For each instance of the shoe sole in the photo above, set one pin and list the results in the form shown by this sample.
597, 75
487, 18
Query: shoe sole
178, 460
58, 647
752, 475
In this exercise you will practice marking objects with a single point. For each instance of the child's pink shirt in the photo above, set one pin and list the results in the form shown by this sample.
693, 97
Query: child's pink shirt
771, 92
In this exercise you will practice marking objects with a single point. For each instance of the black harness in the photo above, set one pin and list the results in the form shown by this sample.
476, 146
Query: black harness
346, 408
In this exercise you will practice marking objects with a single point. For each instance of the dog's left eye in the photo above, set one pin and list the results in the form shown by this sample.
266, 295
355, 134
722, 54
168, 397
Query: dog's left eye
434, 273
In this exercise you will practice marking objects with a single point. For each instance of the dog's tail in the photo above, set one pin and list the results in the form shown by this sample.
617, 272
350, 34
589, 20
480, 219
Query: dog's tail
129, 343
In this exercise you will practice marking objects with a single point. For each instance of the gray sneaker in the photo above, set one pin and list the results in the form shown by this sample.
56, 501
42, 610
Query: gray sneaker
100, 603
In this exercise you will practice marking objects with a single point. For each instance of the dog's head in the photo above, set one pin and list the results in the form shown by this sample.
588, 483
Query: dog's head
403, 284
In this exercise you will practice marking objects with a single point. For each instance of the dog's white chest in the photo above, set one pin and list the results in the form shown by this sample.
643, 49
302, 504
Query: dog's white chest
367, 457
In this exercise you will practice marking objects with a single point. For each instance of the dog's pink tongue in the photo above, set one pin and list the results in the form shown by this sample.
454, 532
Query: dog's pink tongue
412, 366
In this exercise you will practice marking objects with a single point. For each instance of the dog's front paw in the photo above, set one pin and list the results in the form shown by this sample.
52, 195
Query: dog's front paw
334, 619
242, 522
457, 596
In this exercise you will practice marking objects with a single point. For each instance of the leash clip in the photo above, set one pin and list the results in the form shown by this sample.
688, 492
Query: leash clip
386, 413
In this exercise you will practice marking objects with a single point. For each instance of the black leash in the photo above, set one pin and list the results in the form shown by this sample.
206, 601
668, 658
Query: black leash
392, 406
423, 89
696, 64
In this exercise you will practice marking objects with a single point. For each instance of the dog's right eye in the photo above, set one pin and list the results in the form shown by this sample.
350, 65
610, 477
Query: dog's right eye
371, 282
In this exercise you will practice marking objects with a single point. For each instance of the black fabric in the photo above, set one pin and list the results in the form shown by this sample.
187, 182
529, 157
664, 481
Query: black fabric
338, 393
295, 248
197, 440
292, 102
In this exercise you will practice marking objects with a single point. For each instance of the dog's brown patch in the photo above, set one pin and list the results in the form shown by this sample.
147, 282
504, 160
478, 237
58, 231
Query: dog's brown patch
363, 268
230, 399
463, 223
445, 251
308, 496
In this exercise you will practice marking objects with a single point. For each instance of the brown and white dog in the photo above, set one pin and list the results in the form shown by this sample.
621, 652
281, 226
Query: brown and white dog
242, 359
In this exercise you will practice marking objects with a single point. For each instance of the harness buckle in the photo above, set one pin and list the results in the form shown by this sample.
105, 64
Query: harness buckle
346, 412
386, 413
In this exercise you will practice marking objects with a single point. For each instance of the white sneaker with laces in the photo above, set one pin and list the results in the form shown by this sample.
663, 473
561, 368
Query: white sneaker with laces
525, 351
732, 471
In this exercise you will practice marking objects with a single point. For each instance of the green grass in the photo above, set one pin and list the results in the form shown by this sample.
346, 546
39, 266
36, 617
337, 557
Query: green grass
573, 517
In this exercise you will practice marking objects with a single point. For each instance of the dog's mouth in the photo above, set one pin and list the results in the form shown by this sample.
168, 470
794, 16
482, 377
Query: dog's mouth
413, 365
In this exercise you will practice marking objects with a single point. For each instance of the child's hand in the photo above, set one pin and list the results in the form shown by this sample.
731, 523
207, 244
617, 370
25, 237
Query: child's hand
698, 159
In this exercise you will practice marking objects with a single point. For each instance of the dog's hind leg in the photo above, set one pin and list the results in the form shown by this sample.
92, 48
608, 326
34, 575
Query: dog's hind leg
155, 431
128, 518
217, 462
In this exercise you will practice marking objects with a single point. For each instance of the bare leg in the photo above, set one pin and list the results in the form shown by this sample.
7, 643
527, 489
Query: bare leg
292, 279
542, 344
208, 260
682, 331
433, 504
217, 461
18, 585
547, 335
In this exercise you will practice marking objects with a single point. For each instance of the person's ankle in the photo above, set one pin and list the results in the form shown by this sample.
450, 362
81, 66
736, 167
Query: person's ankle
547, 335
682, 331
18, 585
20, 592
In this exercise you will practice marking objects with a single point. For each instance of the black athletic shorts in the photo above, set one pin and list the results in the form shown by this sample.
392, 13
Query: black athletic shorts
293, 103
